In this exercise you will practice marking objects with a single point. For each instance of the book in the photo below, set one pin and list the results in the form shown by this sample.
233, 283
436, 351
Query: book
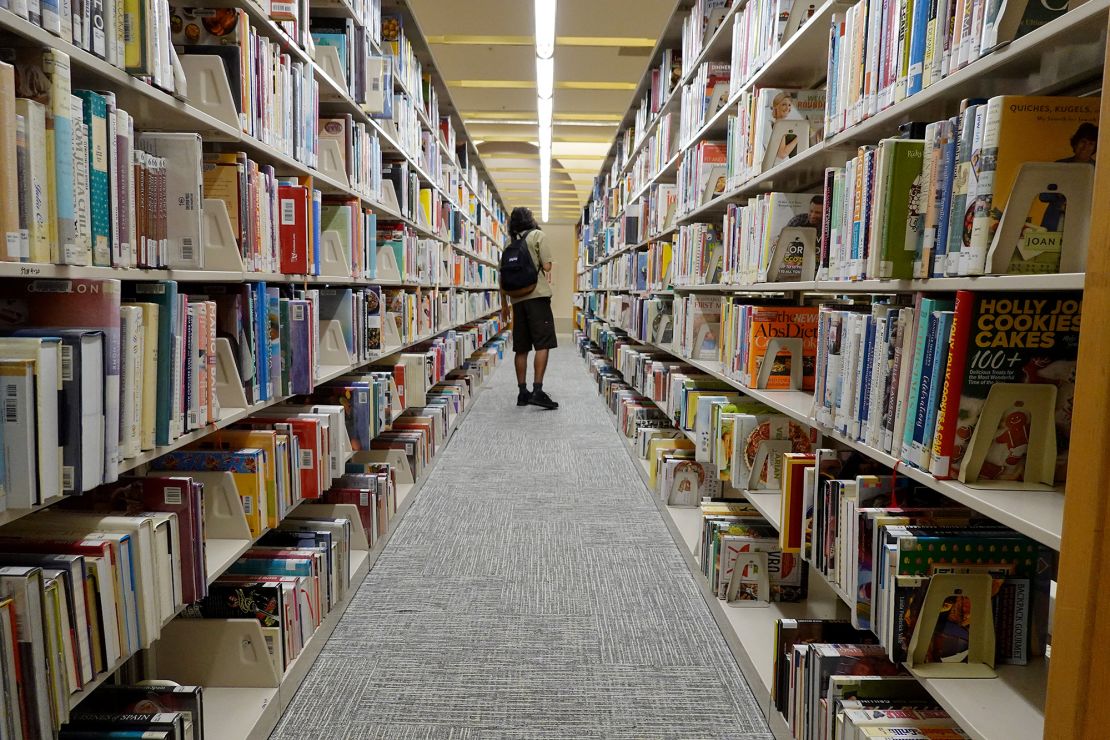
1006, 338
1063, 128
10, 192
87, 304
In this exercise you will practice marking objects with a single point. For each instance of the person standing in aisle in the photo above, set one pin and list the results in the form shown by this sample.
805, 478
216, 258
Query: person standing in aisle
533, 322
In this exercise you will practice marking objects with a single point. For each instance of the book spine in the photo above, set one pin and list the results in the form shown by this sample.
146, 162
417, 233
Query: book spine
944, 438
945, 186
34, 114
940, 359
921, 327
10, 250
96, 123
925, 383
60, 148
982, 228
26, 194
81, 195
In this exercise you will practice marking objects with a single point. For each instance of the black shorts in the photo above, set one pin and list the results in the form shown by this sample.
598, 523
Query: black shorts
533, 325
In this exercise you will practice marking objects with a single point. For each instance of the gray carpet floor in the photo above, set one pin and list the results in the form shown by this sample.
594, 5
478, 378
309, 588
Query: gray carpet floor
532, 591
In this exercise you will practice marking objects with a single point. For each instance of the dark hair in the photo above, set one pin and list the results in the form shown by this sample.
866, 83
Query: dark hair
1087, 131
817, 200
521, 222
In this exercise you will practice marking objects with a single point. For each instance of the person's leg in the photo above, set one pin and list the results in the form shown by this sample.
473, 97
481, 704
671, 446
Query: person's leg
539, 367
522, 367
522, 345
542, 327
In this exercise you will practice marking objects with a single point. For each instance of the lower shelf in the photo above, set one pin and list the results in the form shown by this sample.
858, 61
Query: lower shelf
253, 713
1010, 706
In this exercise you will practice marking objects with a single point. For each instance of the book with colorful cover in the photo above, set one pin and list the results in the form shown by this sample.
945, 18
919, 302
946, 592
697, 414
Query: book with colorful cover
1020, 129
246, 467
1007, 337
769, 323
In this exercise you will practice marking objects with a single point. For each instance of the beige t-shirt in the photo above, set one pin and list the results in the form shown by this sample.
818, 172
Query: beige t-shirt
541, 255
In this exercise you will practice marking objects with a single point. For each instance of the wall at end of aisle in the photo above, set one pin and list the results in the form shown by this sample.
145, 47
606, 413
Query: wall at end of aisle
560, 237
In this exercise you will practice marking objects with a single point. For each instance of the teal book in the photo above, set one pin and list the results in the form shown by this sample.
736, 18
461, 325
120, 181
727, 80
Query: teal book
164, 294
924, 308
96, 122
924, 447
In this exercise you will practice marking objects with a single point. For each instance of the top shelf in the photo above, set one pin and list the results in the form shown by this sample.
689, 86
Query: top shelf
1053, 58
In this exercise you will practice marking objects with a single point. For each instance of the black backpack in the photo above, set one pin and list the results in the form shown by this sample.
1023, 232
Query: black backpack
519, 274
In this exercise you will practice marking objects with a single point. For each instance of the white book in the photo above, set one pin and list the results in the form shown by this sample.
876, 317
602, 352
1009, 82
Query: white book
46, 355
131, 380
184, 195
149, 375
36, 184
82, 216
17, 393
140, 531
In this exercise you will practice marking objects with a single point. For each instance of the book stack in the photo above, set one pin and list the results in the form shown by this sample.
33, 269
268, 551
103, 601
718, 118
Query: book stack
832, 682
874, 62
769, 347
759, 30
158, 712
772, 126
945, 387
918, 208
696, 255
702, 174
701, 24
707, 93
770, 237
284, 115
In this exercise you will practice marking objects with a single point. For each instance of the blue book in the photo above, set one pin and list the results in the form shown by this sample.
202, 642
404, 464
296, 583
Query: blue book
272, 338
317, 206
924, 311
945, 184
918, 31
864, 410
921, 402
943, 320
259, 314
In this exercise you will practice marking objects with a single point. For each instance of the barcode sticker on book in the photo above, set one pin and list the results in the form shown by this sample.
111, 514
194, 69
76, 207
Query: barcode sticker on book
288, 212
298, 312
11, 404
187, 248
364, 498
172, 496
68, 475
67, 363
306, 460
248, 505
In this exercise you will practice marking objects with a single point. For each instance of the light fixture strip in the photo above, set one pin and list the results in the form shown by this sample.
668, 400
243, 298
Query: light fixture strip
545, 11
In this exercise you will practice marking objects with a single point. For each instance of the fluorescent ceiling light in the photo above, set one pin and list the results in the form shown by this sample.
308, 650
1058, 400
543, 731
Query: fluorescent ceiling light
544, 107
545, 77
545, 27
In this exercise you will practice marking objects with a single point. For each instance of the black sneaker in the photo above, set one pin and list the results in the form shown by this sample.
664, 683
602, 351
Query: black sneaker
541, 399
523, 397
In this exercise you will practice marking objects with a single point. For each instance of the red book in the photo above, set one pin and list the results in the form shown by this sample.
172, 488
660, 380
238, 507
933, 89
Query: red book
399, 378
310, 441
293, 232
944, 439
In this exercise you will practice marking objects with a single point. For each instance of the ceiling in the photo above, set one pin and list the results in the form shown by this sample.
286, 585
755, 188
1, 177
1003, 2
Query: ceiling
485, 51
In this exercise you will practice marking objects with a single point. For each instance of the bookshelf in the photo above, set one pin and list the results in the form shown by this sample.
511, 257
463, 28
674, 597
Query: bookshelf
1066, 56
429, 305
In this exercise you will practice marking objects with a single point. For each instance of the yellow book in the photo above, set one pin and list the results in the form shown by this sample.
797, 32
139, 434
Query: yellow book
247, 469
148, 413
265, 440
658, 447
